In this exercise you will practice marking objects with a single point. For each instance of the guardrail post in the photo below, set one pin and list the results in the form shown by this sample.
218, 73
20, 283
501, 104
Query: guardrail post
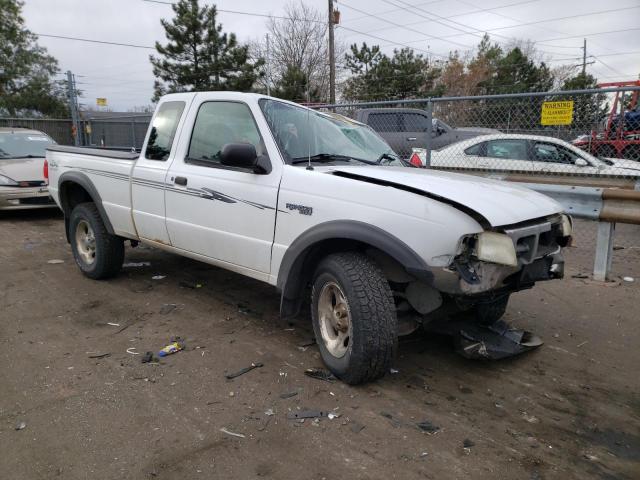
429, 132
604, 251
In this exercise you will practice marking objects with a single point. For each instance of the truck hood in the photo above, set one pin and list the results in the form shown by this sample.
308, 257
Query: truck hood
500, 203
23, 169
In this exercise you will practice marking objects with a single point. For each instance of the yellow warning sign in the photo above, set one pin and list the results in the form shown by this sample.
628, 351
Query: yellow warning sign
101, 102
557, 113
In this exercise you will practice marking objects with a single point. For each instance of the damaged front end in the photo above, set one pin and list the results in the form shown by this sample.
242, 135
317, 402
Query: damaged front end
506, 260
489, 267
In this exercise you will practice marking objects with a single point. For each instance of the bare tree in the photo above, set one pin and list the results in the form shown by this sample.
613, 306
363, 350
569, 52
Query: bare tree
298, 43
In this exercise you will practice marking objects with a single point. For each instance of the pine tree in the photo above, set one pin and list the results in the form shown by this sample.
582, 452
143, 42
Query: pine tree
27, 84
199, 56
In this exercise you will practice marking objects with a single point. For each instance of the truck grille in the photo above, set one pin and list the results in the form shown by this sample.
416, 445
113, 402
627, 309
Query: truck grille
535, 241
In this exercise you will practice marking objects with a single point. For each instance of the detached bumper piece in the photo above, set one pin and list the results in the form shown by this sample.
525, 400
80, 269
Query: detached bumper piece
493, 342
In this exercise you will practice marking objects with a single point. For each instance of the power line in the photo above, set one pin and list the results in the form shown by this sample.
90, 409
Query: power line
238, 12
89, 40
590, 34
426, 35
393, 43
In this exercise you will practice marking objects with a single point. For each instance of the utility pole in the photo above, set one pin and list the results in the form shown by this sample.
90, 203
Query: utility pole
72, 96
268, 66
584, 58
332, 57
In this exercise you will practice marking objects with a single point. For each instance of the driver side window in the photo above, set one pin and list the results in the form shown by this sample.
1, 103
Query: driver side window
552, 153
220, 123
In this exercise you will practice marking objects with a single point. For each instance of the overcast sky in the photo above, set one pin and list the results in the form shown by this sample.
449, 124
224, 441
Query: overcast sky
123, 74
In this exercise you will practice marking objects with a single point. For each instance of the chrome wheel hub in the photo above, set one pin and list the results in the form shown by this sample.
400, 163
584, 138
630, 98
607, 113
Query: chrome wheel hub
85, 242
334, 319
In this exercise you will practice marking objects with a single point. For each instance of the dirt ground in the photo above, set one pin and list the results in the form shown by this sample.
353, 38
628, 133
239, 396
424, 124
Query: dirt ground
569, 410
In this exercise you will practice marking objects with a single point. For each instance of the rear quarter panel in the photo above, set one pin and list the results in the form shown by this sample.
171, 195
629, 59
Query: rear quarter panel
110, 177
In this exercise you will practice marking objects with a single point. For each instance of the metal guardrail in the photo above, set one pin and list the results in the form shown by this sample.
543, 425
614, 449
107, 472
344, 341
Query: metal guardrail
607, 206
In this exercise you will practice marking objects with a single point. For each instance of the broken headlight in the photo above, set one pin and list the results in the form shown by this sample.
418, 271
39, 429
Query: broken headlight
496, 248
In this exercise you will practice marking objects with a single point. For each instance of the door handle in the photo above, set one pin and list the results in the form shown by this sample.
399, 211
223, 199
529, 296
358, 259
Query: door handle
412, 139
180, 181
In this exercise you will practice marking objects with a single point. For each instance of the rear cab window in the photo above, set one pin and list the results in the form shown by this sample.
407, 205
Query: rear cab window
163, 131
383, 122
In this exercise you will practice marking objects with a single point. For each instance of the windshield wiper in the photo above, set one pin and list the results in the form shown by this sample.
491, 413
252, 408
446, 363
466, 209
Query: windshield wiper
329, 157
386, 156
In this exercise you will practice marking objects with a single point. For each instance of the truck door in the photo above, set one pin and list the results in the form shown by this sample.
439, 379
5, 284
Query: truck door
223, 213
414, 127
388, 126
149, 172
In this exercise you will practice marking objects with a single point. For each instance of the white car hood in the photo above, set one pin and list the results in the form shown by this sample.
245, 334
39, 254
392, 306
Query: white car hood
23, 169
630, 166
500, 203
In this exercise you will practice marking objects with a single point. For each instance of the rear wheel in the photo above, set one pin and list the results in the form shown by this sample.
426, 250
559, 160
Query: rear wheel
489, 313
354, 318
98, 253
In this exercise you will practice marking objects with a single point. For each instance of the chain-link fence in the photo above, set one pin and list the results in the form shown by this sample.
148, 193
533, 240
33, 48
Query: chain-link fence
58, 129
120, 132
593, 133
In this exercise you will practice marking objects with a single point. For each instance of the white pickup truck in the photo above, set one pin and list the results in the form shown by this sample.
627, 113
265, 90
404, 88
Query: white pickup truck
312, 204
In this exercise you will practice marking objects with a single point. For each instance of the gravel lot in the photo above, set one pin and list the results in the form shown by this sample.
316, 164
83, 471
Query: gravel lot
570, 409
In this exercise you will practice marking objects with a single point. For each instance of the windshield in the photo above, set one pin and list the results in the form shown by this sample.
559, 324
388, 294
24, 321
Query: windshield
23, 144
302, 133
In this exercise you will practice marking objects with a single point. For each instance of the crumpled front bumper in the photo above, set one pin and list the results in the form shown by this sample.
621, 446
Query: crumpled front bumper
480, 278
23, 198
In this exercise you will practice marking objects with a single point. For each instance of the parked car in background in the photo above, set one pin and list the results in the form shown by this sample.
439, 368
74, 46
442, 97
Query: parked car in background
406, 128
22, 180
526, 153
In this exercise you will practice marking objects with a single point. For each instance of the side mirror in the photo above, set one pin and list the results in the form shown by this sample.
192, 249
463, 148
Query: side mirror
581, 162
241, 155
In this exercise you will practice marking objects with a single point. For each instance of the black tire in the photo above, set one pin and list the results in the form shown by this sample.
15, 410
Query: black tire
108, 250
489, 313
373, 336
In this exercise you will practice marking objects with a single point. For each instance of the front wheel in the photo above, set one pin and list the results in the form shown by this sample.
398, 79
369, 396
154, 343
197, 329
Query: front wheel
354, 317
98, 253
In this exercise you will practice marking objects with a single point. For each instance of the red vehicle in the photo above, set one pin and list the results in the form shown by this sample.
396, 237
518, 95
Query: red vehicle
621, 135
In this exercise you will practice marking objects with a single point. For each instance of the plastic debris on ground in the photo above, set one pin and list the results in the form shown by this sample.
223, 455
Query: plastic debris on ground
176, 344
99, 355
21, 425
158, 277
492, 342
233, 434
242, 371
136, 264
428, 427
301, 414
55, 261
320, 374
628, 279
